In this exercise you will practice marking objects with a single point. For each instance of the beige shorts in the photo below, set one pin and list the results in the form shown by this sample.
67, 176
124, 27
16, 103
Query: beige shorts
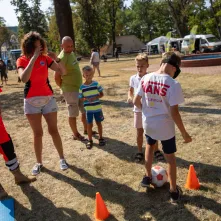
138, 120
73, 103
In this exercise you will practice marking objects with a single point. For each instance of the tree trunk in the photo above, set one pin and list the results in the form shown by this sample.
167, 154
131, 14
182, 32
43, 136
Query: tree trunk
179, 20
113, 26
64, 21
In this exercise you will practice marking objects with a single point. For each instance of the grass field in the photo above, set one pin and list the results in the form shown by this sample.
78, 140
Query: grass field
111, 170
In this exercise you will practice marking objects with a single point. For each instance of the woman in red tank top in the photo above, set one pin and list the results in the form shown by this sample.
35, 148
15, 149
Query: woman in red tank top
38, 94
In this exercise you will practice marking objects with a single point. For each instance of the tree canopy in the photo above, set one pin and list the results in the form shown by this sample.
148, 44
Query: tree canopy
93, 23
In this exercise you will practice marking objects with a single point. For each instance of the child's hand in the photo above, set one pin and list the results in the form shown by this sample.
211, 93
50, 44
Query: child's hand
130, 100
187, 138
93, 98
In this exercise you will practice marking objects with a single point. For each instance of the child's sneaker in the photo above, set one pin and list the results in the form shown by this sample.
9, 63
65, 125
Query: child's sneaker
175, 196
63, 164
146, 181
36, 169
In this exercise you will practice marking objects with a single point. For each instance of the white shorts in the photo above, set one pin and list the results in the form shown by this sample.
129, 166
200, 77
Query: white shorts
46, 107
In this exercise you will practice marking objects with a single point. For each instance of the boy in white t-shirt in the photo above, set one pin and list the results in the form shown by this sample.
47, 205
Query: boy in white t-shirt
142, 64
161, 95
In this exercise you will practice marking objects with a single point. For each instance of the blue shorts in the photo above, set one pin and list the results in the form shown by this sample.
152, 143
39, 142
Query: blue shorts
98, 116
169, 146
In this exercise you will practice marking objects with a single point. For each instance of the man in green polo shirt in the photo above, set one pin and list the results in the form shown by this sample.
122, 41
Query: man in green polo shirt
70, 84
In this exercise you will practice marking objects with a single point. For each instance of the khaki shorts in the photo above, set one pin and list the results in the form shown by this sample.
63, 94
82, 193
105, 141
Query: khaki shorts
73, 103
138, 120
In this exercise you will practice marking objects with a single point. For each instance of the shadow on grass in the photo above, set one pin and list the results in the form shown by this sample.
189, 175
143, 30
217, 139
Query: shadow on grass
12, 103
136, 204
206, 173
42, 209
200, 110
118, 104
110, 76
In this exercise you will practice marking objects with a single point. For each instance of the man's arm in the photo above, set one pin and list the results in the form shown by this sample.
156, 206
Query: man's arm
137, 101
57, 78
178, 121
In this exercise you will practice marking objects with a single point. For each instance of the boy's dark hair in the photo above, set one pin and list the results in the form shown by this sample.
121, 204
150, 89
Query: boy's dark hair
87, 68
171, 58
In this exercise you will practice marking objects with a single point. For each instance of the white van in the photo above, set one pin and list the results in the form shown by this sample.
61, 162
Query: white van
203, 43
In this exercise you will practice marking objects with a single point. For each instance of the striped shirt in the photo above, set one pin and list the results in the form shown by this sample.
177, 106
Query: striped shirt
90, 91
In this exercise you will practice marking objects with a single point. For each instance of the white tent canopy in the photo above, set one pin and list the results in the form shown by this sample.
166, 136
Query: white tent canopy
158, 42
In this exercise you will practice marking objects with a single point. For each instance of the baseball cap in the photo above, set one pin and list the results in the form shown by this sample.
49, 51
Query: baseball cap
174, 60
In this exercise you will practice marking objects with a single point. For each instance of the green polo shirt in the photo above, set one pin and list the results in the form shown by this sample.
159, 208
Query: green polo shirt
72, 80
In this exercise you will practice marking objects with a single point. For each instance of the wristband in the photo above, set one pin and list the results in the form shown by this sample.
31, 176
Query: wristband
58, 60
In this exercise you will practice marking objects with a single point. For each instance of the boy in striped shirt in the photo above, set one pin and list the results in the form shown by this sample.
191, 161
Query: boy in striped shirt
90, 92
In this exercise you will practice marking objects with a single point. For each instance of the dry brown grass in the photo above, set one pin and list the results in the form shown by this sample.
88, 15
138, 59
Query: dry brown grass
70, 195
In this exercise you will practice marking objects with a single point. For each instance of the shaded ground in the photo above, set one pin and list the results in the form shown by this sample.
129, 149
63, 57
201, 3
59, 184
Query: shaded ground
111, 170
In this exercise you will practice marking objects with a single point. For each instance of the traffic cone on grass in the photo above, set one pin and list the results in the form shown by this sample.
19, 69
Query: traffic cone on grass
192, 182
101, 212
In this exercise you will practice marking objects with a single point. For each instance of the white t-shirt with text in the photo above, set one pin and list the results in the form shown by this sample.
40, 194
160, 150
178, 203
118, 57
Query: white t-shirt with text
159, 92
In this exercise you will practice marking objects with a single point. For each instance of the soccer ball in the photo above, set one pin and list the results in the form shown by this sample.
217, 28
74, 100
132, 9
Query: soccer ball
159, 176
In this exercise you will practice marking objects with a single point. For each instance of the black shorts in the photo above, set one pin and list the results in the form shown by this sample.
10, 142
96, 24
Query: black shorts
169, 146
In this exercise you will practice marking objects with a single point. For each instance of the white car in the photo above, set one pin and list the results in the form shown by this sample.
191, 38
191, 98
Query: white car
203, 43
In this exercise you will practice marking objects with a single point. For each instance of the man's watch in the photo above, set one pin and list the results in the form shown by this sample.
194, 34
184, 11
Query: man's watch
58, 60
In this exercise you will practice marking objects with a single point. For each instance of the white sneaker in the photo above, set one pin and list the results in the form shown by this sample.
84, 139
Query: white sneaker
36, 169
63, 164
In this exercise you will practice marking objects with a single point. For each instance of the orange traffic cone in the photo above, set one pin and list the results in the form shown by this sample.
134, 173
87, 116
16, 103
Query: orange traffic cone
192, 182
101, 212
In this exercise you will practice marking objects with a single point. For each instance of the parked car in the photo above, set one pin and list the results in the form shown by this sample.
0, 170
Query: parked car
203, 43
13, 56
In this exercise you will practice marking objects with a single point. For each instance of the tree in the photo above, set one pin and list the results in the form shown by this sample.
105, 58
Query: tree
30, 18
64, 21
2, 21
4, 34
112, 6
216, 12
178, 10
53, 33
142, 20
92, 22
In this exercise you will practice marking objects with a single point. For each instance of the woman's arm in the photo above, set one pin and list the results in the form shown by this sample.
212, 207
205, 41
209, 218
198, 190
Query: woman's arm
91, 59
25, 74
